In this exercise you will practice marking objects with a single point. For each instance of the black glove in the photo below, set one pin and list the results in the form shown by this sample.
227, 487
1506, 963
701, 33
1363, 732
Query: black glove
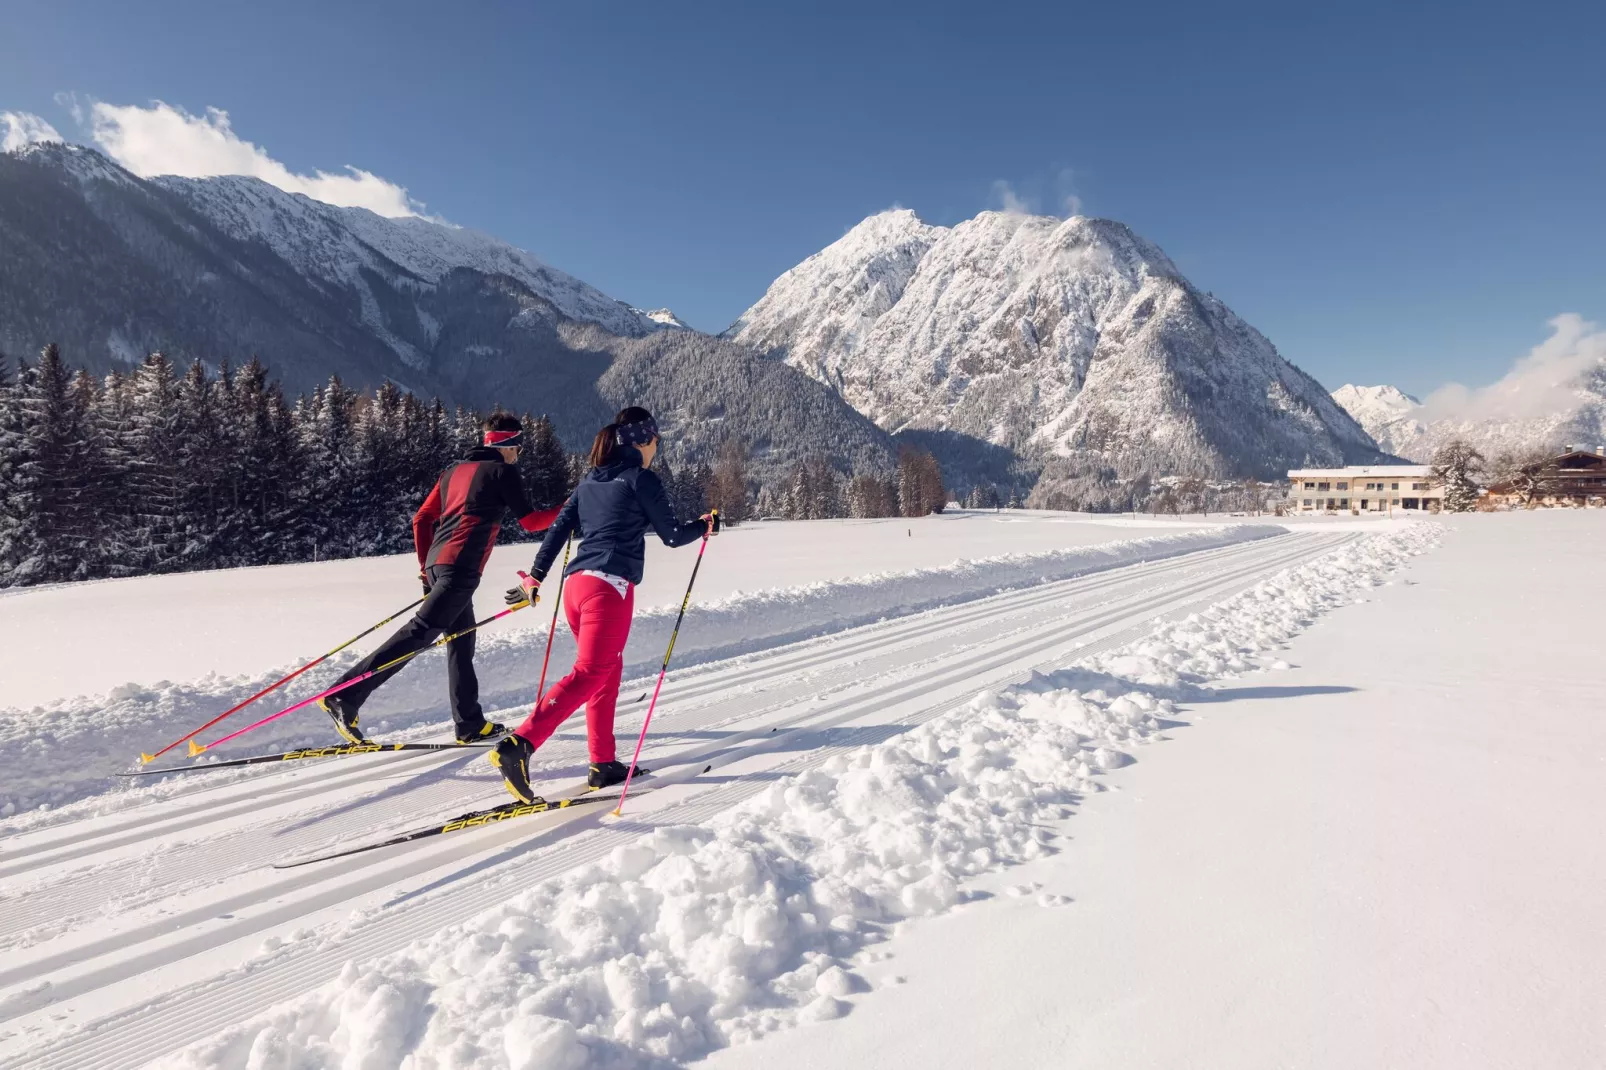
424, 579
527, 592
712, 520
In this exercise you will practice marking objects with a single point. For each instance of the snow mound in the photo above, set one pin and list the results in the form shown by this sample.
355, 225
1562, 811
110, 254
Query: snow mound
697, 937
67, 751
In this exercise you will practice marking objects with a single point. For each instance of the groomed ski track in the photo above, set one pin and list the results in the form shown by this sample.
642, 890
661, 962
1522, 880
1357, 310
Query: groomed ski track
125, 938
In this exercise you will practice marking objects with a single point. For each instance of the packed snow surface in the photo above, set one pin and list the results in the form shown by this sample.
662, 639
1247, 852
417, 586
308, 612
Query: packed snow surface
64, 750
695, 937
236, 621
1383, 856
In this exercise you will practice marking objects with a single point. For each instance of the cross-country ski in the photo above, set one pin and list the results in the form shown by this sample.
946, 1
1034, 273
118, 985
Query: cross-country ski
565, 538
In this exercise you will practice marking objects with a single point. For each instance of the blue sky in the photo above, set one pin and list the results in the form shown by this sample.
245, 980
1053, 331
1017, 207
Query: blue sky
1390, 194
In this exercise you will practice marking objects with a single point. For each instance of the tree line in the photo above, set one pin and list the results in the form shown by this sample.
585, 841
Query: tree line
161, 470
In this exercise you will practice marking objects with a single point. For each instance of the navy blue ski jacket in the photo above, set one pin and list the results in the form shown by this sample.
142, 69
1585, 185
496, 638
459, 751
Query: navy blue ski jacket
610, 511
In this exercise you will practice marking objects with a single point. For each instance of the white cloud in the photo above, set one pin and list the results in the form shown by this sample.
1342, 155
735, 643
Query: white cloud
164, 140
1543, 382
1016, 201
1011, 202
1065, 185
23, 128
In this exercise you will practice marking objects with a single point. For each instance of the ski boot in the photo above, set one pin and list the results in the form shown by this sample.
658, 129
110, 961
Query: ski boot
512, 759
607, 774
486, 732
344, 715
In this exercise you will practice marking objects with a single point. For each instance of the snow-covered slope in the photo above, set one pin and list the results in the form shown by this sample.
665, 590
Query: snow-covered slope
1498, 420
1387, 413
336, 245
1058, 337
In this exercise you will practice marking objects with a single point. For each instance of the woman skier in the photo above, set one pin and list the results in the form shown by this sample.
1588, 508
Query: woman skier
611, 510
453, 532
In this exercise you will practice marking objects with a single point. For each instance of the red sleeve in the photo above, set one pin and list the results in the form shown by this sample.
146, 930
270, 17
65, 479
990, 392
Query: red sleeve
424, 522
539, 519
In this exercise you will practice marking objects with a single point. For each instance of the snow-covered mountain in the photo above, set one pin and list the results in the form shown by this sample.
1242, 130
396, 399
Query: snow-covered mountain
1056, 338
1387, 413
112, 267
1498, 420
342, 246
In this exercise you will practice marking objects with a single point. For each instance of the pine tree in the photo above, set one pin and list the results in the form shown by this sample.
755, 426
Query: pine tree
50, 503
15, 541
155, 480
549, 478
1456, 466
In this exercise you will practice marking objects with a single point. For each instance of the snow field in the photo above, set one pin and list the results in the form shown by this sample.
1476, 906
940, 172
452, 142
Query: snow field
65, 751
696, 937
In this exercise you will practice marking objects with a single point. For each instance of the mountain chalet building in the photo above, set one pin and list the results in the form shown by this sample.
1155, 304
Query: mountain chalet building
1373, 488
1576, 478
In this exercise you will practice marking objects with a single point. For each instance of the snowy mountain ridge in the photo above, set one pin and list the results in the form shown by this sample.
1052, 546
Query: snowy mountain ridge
336, 245
1496, 424
1070, 338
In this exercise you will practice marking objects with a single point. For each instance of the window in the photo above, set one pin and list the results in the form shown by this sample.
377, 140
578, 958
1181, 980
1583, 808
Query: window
1413, 503
1343, 503
1416, 486
1310, 486
1394, 486
1343, 486
1324, 486
1307, 503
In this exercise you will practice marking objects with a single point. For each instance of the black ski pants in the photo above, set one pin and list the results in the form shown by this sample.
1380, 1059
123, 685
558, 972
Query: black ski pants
448, 608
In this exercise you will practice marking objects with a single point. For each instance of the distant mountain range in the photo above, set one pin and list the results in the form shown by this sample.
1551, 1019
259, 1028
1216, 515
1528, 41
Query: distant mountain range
1504, 419
1011, 345
112, 267
1071, 343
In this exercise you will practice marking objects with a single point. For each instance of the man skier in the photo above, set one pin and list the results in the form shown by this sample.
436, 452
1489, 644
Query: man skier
453, 532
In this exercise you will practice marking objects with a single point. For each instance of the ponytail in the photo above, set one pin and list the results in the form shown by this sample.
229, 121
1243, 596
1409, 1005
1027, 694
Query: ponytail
602, 445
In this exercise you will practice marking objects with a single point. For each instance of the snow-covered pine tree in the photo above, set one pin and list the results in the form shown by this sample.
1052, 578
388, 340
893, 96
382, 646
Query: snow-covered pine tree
15, 541
49, 500
548, 479
1456, 466
204, 449
155, 481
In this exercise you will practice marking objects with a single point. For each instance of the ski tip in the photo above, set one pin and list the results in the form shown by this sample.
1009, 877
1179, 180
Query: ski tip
196, 749
146, 759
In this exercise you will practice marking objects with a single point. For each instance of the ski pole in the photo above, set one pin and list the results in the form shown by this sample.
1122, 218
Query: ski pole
196, 749
146, 759
684, 602
553, 630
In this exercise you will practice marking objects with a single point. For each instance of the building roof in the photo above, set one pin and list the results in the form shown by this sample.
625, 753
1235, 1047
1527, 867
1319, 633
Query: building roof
1398, 471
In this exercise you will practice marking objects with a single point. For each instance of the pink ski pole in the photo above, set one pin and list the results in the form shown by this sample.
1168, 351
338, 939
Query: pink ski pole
198, 749
684, 602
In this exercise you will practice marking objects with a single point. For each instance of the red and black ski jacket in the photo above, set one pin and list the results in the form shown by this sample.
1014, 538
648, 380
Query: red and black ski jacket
458, 522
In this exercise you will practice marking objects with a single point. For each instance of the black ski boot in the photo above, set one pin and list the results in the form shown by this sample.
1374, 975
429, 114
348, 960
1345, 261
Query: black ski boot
607, 774
485, 732
512, 759
344, 715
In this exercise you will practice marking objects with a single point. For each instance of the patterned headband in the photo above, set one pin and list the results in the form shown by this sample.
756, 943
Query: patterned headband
637, 434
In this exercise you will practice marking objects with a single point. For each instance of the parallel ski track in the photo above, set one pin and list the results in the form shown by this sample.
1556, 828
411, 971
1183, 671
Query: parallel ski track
1015, 627
896, 645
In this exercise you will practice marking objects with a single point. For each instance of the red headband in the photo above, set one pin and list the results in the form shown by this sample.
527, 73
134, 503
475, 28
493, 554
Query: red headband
503, 439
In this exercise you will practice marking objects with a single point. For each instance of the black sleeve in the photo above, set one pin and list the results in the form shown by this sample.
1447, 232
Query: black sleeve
567, 522
515, 497
655, 503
